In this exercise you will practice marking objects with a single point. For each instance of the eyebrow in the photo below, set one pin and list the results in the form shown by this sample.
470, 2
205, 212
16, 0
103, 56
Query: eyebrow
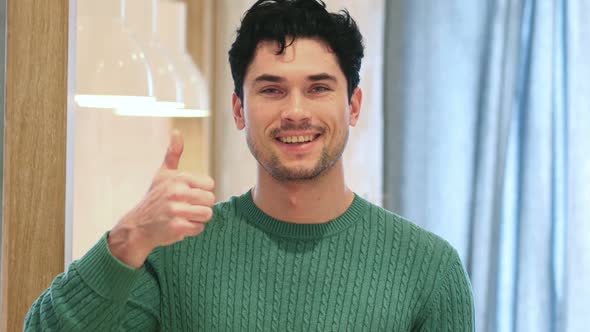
322, 77
279, 79
269, 78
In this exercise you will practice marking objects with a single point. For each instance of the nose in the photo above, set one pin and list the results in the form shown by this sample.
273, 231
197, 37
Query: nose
296, 109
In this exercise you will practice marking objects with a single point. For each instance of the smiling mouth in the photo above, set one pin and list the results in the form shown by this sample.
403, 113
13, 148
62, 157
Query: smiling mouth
297, 139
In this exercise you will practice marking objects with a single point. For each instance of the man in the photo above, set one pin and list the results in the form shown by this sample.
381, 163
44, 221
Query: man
300, 251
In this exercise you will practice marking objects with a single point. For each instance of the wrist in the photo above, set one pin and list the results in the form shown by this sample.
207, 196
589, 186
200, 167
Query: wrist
125, 245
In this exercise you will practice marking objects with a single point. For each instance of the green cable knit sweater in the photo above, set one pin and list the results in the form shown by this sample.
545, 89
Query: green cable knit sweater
368, 270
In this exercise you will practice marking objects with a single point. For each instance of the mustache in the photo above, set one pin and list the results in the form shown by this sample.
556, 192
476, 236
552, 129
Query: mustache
296, 126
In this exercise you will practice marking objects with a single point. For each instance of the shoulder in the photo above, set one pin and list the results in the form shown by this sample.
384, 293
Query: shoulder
423, 256
432, 266
411, 238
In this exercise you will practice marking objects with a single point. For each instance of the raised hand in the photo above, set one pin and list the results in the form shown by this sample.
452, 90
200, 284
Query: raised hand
177, 205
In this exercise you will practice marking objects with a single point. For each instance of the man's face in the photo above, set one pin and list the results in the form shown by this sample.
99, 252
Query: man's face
295, 109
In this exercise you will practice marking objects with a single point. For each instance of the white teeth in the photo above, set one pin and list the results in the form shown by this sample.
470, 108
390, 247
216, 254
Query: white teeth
296, 139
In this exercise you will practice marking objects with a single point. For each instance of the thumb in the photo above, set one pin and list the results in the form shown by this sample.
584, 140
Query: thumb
174, 151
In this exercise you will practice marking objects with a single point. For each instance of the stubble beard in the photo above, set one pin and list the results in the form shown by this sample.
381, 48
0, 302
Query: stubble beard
273, 165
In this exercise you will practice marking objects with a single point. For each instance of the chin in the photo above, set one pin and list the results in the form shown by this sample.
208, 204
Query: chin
295, 173
307, 168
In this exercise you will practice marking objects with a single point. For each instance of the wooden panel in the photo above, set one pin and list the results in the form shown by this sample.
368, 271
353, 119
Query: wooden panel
200, 33
196, 156
35, 153
197, 132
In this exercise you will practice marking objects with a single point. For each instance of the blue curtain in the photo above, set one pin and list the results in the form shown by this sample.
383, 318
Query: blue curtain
487, 131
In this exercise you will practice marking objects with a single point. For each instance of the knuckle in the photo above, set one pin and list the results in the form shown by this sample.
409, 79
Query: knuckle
163, 175
209, 182
171, 195
207, 213
180, 176
201, 227
178, 187
178, 234
206, 198
210, 198
196, 229
172, 208
158, 183
178, 231
175, 191
184, 176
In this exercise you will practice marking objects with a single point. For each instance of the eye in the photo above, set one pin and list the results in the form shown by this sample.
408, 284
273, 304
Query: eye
271, 91
320, 88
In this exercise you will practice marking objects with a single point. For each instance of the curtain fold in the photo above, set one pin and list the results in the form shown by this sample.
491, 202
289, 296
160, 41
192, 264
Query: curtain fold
487, 120
577, 138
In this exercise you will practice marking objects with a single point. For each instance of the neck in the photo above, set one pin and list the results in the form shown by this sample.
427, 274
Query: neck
304, 202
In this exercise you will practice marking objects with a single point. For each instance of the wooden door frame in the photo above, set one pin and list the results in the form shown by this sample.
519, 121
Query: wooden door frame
34, 192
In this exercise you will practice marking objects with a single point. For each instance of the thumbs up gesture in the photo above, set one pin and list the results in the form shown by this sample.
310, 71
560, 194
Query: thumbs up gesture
177, 205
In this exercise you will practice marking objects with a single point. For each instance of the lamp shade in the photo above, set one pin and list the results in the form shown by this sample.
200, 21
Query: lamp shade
141, 18
172, 31
111, 68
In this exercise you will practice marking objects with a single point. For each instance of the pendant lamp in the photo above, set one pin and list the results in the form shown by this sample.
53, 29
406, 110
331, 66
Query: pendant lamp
172, 31
141, 19
111, 68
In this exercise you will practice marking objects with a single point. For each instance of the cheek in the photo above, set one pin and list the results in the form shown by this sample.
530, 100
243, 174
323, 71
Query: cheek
255, 125
260, 119
342, 118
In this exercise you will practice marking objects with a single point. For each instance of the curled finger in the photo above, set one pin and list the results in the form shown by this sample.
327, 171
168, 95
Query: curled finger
191, 212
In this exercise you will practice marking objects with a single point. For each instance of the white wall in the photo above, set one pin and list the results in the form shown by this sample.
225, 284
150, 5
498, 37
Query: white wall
115, 159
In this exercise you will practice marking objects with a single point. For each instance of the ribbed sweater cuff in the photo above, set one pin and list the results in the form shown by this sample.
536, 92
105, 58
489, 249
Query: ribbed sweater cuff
105, 274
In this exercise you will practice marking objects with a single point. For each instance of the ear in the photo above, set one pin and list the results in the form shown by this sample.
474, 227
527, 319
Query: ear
355, 106
238, 111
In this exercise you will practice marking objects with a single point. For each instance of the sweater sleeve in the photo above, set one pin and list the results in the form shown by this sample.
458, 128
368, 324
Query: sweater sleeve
451, 308
98, 293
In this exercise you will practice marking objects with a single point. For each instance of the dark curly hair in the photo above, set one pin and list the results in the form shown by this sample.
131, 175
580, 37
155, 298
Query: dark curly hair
277, 20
